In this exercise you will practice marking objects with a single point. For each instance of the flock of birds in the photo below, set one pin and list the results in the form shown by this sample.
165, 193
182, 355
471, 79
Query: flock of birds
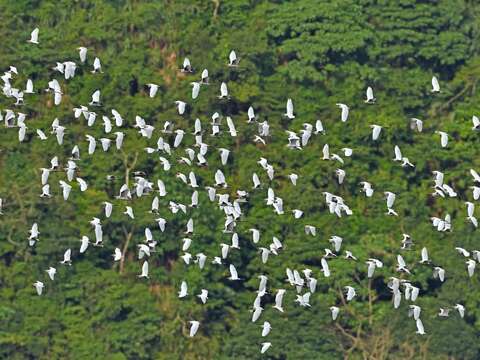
303, 281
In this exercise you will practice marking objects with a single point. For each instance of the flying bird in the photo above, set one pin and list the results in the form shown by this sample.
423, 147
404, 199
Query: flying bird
34, 38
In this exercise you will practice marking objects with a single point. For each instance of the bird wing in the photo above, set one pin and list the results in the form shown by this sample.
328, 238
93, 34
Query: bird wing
435, 84
290, 107
145, 268
420, 327
34, 34
424, 254
223, 89
232, 57
233, 271
369, 93
475, 121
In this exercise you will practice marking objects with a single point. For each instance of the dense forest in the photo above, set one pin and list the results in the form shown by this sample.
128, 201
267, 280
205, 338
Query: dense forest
317, 53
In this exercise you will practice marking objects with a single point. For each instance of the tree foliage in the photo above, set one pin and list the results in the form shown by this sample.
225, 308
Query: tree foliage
318, 53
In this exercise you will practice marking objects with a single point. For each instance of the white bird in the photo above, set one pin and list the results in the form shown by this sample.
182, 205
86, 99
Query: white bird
224, 155
334, 310
119, 139
231, 127
203, 296
326, 152
21, 133
118, 118
34, 36
390, 197
144, 273
181, 106
232, 59
265, 347
414, 310
367, 188
51, 271
117, 255
340, 175
194, 327
420, 328
257, 310
266, 327
345, 111
183, 290
195, 89
319, 127
297, 214
325, 267
463, 252
336, 241
39, 287
54, 163
293, 178
279, 299
29, 87
444, 312
95, 98
186, 66
251, 114
153, 88
470, 208
461, 309
45, 193
223, 91
476, 176
347, 152
105, 143
443, 138
439, 273
376, 129
255, 235
59, 133
204, 77
45, 175
370, 98
233, 273
220, 179
350, 292
41, 135
476, 123
349, 255
83, 184
259, 139
66, 189
97, 66
406, 162
84, 242
129, 212
470, 267
401, 265
289, 111
256, 180
265, 252
424, 254
371, 268
417, 123
70, 68
435, 85
92, 144
67, 257
310, 229
82, 52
